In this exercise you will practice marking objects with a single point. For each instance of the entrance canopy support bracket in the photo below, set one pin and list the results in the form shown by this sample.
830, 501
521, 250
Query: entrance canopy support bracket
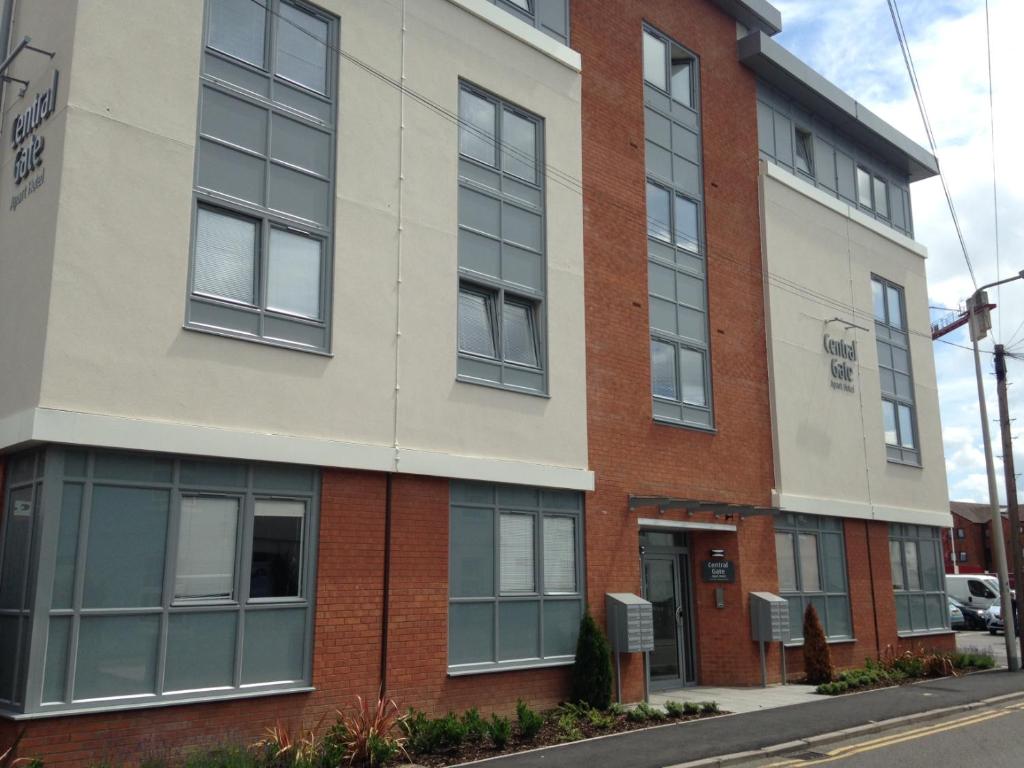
718, 508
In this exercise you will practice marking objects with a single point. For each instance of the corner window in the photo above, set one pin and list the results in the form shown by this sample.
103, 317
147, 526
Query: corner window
173, 579
811, 557
899, 419
804, 151
502, 254
515, 577
915, 556
677, 290
262, 231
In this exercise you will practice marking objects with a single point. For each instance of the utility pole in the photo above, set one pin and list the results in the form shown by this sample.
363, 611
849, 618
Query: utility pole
980, 324
1011, 478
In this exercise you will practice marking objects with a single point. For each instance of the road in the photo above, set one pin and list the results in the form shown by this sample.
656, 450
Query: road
988, 737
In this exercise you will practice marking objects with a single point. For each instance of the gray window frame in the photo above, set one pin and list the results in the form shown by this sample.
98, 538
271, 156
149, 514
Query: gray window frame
256, 322
803, 136
893, 337
25, 472
795, 525
834, 155
919, 536
549, 16
59, 476
471, 495
498, 371
873, 179
683, 120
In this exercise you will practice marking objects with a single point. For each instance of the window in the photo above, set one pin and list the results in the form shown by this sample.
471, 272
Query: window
804, 151
915, 555
872, 192
811, 556
172, 579
502, 279
549, 16
963, 557
262, 233
961, 533
515, 577
668, 67
677, 293
897, 382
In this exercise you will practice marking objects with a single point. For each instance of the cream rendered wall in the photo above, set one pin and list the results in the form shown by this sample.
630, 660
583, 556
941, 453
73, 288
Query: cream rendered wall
829, 444
121, 370
27, 232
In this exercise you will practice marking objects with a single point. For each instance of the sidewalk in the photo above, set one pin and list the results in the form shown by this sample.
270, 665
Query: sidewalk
681, 743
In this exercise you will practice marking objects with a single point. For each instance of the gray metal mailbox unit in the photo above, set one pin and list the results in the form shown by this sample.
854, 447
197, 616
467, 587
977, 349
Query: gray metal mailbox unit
630, 627
769, 623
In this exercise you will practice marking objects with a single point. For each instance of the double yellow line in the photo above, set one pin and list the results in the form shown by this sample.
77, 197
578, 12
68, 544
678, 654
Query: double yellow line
898, 738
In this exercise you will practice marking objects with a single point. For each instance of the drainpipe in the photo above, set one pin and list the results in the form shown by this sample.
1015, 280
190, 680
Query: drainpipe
387, 591
874, 597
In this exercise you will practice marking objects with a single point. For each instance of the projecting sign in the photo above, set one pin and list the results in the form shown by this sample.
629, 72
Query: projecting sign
843, 365
28, 146
721, 571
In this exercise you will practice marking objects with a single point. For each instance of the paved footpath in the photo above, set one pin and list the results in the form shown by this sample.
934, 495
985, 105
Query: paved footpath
684, 742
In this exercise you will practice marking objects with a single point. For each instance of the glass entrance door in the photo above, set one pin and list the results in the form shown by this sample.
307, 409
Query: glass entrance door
662, 579
666, 573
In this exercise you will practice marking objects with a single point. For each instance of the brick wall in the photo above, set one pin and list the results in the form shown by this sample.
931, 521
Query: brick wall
629, 453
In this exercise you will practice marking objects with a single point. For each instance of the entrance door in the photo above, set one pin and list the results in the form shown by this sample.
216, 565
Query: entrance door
666, 585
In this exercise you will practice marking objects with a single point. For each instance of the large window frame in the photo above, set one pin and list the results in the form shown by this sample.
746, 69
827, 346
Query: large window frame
73, 587
896, 373
286, 106
488, 505
677, 249
830, 599
919, 595
501, 265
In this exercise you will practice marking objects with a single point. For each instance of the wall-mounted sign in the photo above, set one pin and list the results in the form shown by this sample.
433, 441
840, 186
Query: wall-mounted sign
28, 146
842, 366
720, 571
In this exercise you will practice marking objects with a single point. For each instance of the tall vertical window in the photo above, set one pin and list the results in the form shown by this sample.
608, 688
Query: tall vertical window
811, 558
262, 232
502, 274
899, 419
515, 577
677, 270
915, 554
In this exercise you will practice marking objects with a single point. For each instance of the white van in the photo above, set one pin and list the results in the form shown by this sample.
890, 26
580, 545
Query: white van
978, 590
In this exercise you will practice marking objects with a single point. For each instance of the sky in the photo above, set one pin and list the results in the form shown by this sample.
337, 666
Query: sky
853, 43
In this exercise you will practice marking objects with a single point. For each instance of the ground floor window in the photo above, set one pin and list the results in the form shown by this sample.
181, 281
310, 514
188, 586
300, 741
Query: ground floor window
515, 576
811, 557
163, 578
919, 587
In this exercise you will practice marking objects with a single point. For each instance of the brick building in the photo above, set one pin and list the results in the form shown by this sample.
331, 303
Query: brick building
363, 347
967, 545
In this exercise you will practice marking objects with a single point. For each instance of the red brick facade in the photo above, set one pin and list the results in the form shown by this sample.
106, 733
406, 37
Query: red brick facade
629, 452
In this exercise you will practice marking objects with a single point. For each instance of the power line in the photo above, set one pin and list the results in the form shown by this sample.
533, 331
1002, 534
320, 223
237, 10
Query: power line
912, 72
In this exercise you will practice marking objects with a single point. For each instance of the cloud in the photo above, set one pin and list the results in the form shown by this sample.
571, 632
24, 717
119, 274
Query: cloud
854, 44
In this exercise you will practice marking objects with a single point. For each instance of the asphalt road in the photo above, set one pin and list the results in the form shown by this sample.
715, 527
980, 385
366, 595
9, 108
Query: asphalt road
673, 744
988, 737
